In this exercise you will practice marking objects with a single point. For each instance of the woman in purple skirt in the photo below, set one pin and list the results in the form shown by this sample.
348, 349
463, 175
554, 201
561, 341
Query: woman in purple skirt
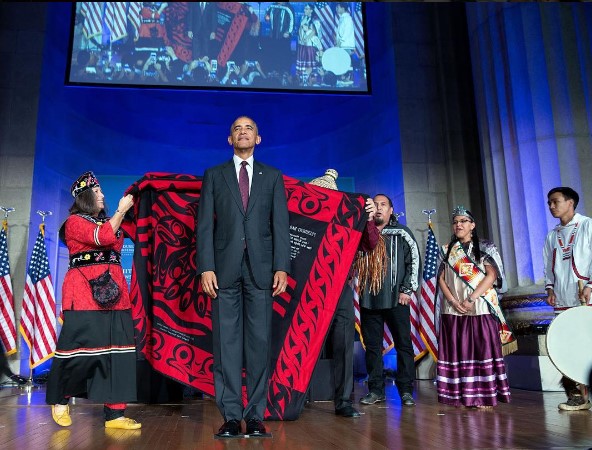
471, 370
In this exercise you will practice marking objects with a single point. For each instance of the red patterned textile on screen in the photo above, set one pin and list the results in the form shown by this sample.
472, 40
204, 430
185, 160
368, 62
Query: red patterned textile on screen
176, 24
230, 35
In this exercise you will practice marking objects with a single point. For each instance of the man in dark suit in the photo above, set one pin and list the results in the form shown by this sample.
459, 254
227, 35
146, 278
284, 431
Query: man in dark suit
281, 18
243, 256
202, 21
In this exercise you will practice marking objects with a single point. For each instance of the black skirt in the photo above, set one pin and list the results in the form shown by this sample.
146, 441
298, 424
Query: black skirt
95, 358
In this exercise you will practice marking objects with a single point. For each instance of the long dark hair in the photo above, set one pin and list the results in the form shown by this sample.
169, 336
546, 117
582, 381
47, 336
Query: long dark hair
86, 203
474, 238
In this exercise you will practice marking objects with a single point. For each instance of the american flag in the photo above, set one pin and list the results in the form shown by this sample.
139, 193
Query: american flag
329, 22
93, 18
38, 318
133, 15
427, 299
387, 338
359, 28
116, 19
419, 348
7, 322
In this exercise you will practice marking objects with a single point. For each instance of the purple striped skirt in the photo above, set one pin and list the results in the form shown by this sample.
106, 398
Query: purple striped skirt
471, 370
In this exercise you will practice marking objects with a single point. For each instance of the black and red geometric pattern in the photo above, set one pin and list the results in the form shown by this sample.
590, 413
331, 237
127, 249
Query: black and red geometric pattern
172, 314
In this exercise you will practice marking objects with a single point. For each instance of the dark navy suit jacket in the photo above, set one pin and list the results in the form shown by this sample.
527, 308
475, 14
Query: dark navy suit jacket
223, 225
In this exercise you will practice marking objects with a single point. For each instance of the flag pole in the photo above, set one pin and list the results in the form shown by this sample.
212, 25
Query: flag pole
429, 213
7, 210
43, 214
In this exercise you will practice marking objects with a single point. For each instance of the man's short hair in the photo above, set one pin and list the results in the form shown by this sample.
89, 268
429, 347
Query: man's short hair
567, 192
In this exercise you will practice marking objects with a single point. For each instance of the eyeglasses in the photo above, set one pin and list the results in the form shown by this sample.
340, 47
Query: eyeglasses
462, 221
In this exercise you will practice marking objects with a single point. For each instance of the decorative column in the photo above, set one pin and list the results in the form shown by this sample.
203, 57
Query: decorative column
532, 70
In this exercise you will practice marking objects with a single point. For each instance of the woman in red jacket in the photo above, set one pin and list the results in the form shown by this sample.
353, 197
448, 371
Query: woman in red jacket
95, 356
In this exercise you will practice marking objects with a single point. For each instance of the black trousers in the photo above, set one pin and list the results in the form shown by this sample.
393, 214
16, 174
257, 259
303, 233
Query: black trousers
4, 367
341, 335
241, 328
399, 324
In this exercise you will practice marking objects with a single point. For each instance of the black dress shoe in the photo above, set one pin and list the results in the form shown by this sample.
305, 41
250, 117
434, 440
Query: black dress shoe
231, 428
255, 428
21, 381
347, 411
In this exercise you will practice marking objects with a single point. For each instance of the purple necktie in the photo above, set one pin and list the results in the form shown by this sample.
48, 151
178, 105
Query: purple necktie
243, 184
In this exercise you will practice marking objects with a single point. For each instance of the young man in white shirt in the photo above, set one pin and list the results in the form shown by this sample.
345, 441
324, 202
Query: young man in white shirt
568, 270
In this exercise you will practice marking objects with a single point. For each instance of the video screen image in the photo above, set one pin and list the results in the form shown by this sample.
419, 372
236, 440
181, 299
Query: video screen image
316, 46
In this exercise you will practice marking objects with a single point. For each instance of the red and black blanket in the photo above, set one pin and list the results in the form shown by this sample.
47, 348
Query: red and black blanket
172, 315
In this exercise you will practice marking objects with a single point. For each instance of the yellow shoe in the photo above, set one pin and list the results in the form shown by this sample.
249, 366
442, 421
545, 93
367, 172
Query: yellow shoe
62, 418
123, 423
120, 436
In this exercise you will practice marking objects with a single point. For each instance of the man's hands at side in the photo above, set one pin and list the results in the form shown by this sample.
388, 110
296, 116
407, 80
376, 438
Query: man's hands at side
209, 283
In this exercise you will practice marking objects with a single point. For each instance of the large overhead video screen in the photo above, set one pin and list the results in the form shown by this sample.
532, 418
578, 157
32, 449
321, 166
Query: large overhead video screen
316, 46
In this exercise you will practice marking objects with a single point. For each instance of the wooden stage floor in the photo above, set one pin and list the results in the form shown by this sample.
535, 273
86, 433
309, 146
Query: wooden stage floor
531, 421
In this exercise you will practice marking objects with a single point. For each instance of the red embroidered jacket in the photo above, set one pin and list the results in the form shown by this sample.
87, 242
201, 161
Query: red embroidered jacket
80, 237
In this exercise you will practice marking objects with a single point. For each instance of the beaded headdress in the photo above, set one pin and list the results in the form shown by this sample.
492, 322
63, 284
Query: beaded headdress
462, 211
85, 181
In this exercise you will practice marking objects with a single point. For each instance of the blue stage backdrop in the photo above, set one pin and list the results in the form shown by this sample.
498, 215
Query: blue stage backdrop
123, 132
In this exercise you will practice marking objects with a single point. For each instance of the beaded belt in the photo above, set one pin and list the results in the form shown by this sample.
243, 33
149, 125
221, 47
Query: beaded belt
92, 257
